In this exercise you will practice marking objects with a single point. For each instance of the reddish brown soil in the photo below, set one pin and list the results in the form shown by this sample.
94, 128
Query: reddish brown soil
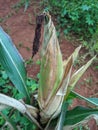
21, 26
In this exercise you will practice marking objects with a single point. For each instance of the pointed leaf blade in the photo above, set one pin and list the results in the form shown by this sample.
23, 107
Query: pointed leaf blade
13, 63
92, 101
66, 78
77, 75
62, 116
95, 100
74, 56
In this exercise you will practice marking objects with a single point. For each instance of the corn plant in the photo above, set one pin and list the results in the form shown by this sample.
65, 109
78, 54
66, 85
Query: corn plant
56, 84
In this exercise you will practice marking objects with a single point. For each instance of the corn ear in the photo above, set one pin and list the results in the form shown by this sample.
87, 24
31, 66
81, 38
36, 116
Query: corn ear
55, 74
51, 71
53, 108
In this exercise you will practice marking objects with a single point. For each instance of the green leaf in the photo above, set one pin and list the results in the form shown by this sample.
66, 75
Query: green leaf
27, 2
89, 100
62, 116
4, 75
95, 100
1, 121
85, 7
89, 21
78, 114
13, 63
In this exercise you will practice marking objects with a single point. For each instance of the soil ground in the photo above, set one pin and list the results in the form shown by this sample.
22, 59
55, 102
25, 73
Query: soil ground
20, 26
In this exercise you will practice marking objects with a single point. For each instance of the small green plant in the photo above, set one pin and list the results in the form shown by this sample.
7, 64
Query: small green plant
78, 17
42, 105
21, 3
97, 67
3, 77
1, 20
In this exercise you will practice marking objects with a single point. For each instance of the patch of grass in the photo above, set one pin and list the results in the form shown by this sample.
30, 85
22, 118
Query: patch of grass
38, 62
1, 20
89, 81
8, 30
20, 44
20, 4
27, 48
96, 67
29, 61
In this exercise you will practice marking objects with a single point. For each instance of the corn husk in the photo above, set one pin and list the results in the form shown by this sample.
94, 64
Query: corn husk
56, 81
51, 71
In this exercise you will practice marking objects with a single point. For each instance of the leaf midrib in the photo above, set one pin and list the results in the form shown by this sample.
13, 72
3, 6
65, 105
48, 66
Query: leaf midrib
13, 63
